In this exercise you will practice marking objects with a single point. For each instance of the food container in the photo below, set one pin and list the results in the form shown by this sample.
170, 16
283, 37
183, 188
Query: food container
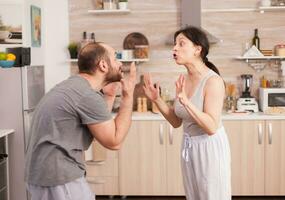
141, 51
109, 5
280, 50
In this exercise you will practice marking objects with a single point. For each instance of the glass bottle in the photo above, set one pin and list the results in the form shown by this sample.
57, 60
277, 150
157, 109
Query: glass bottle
255, 39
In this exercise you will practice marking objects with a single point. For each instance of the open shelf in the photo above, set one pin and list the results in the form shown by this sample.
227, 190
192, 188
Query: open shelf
258, 9
4, 46
115, 11
271, 8
260, 62
121, 60
261, 58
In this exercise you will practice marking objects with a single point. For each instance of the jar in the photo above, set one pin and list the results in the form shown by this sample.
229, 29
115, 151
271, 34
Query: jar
280, 50
141, 51
109, 5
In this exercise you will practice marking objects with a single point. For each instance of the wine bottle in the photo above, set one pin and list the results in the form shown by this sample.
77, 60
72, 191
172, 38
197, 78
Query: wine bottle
255, 39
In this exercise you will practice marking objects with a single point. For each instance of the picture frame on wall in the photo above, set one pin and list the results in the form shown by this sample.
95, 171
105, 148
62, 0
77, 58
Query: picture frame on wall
36, 26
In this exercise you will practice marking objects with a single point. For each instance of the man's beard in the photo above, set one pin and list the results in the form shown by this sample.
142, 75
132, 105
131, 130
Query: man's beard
113, 76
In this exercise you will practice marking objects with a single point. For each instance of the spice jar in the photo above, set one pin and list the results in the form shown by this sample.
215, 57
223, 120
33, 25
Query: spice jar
280, 50
141, 51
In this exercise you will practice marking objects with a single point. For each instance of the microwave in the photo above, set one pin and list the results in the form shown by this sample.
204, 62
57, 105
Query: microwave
271, 97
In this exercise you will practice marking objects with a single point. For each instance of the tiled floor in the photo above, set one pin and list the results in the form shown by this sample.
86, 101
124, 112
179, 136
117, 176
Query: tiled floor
182, 198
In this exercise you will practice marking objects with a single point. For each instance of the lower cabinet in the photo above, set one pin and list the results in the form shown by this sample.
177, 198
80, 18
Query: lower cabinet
102, 175
149, 160
258, 156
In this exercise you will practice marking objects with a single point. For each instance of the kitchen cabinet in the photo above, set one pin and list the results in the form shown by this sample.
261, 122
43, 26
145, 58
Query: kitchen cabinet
149, 160
258, 156
102, 176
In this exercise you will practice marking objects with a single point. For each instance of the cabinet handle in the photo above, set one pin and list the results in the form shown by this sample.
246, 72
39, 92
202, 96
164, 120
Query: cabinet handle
161, 133
170, 134
93, 180
270, 133
259, 133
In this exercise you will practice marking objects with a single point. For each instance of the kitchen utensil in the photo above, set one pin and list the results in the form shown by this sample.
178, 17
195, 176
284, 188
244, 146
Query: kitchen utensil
134, 39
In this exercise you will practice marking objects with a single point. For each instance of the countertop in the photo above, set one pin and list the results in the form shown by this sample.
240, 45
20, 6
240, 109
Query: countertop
225, 116
4, 132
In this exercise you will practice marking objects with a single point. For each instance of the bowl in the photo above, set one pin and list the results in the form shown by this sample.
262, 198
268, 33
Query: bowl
7, 63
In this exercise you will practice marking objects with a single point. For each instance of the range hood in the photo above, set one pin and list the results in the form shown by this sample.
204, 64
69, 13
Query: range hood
191, 16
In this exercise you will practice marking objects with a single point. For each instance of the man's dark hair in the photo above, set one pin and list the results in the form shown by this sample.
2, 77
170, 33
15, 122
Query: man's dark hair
90, 56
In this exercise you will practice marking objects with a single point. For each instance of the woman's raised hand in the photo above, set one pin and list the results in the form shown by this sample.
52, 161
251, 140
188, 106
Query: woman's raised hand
180, 90
151, 91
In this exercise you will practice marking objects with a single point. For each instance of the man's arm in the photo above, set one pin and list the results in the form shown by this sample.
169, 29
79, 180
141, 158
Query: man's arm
111, 133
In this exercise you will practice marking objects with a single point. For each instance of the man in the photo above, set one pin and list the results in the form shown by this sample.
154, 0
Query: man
69, 117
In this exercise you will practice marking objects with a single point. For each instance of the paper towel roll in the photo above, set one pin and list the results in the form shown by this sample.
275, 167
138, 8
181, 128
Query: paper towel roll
88, 154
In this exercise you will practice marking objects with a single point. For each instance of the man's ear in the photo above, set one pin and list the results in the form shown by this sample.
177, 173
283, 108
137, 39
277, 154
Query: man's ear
103, 66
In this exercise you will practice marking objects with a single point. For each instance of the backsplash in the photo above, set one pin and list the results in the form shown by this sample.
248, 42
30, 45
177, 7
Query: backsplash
159, 19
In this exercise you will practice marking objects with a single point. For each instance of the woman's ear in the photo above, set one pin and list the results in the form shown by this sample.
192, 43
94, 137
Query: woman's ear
103, 66
198, 50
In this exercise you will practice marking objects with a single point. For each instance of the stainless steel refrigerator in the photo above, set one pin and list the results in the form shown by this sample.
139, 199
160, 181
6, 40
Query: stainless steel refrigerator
21, 88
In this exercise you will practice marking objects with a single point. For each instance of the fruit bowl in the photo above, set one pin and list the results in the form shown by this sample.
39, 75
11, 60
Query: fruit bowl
7, 63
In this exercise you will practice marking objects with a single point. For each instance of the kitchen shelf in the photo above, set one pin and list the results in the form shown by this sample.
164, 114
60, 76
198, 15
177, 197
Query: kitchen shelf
230, 10
261, 58
271, 8
121, 60
258, 9
260, 62
115, 11
4, 46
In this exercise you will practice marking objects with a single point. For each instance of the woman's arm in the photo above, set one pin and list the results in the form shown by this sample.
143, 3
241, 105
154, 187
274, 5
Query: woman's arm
209, 118
153, 94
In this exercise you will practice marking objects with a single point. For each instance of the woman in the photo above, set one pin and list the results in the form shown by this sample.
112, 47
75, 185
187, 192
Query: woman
198, 106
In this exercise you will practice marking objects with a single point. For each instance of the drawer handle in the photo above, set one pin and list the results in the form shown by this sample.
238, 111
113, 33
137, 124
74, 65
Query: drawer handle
95, 162
259, 133
170, 134
94, 181
161, 133
270, 133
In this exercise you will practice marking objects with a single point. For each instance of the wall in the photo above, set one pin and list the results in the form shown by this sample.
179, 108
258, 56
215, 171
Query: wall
159, 19
56, 42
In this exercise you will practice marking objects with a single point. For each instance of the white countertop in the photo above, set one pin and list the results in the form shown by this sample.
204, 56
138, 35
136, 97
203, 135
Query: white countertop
4, 132
225, 116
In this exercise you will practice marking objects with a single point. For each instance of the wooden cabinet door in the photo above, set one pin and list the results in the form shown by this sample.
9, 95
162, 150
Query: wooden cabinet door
174, 176
247, 156
142, 160
275, 158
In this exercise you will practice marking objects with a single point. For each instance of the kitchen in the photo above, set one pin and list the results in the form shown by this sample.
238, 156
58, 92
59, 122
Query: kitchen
231, 22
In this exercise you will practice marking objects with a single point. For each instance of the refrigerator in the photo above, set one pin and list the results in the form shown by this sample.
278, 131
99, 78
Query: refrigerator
21, 89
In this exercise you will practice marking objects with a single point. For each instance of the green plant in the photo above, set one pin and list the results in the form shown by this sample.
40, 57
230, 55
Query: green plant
123, 0
73, 49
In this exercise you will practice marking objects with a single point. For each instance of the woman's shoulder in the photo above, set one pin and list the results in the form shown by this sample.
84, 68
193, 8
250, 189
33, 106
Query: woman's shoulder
214, 81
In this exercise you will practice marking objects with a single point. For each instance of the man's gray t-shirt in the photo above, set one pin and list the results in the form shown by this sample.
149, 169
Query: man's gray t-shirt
59, 132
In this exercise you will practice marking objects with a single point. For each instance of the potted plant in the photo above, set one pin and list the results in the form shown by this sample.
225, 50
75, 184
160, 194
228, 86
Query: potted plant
73, 49
123, 4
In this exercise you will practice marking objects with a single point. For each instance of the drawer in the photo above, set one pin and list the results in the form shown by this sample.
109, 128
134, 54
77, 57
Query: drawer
104, 185
108, 167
